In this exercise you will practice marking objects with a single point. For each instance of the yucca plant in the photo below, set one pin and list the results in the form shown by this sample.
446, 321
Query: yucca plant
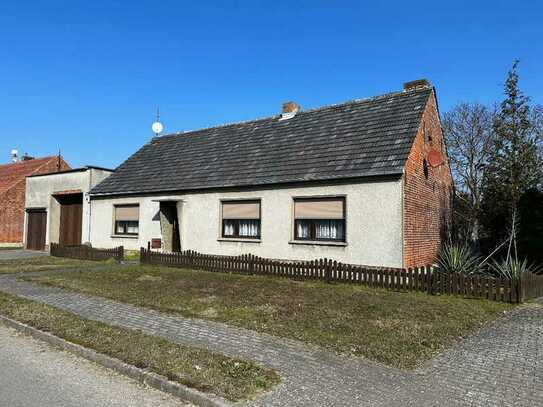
512, 269
458, 258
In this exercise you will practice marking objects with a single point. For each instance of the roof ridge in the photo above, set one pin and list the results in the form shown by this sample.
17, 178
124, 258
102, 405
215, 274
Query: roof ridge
48, 157
45, 160
315, 109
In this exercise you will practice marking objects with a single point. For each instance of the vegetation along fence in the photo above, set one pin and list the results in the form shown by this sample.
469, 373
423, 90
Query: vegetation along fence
84, 252
424, 279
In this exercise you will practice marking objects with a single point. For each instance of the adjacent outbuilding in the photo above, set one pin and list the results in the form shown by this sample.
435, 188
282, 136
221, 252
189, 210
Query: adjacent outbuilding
57, 207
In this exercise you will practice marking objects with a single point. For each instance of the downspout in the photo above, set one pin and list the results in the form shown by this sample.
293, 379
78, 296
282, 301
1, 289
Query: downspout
402, 187
90, 206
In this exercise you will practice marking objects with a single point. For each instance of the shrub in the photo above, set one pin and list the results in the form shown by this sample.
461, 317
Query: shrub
512, 269
458, 258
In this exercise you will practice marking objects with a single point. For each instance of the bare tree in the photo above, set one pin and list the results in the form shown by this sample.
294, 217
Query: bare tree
469, 137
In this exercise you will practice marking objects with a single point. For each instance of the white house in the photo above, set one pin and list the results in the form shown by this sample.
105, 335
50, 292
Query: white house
364, 182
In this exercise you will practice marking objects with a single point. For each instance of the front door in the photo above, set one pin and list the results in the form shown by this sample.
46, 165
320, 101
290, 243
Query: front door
71, 217
36, 229
169, 225
176, 243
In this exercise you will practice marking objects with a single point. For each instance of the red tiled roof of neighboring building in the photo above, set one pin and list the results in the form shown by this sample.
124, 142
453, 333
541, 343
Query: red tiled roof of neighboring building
11, 174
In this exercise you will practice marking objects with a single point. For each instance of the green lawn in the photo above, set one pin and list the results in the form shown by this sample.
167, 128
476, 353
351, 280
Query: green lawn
398, 329
231, 378
45, 263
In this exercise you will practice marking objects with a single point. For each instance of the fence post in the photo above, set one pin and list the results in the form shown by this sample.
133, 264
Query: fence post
430, 279
520, 289
251, 260
328, 270
120, 254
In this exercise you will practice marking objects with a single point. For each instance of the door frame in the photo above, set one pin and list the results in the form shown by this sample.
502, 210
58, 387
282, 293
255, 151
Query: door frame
70, 228
29, 211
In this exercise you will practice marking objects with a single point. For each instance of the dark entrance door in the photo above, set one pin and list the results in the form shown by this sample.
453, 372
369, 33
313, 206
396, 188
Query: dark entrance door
71, 216
170, 226
176, 243
36, 229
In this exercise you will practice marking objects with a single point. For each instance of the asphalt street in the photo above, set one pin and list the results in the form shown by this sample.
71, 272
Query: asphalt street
33, 374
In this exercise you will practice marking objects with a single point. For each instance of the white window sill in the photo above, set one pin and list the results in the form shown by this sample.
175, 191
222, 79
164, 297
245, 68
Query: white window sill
124, 236
318, 243
238, 239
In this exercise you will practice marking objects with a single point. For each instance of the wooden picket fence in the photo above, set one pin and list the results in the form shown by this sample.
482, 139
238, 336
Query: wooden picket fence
426, 278
84, 252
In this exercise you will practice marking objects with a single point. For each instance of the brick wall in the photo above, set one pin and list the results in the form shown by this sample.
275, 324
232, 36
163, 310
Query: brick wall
12, 204
427, 194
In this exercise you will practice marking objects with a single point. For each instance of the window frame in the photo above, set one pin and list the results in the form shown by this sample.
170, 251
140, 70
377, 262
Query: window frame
313, 222
236, 235
125, 226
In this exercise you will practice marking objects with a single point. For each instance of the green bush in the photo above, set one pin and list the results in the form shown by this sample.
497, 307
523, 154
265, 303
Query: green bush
458, 258
512, 269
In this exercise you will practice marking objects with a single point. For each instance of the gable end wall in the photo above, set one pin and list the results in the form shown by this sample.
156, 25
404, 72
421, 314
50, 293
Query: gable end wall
427, 200
12, 205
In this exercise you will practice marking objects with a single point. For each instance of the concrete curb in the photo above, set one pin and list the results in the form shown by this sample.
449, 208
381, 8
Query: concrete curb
150, 379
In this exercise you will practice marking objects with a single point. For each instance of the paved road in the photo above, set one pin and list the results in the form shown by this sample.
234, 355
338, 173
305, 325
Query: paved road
32, 374
500, 366
20, 254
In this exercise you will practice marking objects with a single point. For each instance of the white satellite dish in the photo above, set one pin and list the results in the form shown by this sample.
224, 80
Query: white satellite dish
157, 127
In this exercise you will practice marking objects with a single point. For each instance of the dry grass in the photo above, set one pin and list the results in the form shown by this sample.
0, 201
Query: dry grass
45, 263
398, 329
231, 378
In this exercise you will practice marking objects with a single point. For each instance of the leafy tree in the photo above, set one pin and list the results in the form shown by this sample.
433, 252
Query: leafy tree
469, 136
514, 166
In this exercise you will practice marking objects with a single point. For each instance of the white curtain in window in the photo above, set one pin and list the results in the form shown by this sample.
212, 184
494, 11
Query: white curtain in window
248, 228
132, 227
228, 228
329, 230
303, 231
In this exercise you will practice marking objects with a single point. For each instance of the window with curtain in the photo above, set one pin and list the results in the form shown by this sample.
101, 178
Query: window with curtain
127, 220
241, 219
319, 219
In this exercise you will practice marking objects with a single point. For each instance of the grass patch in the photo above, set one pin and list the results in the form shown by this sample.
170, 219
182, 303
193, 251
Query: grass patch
131, 255
233, 379
45, 263
398, 329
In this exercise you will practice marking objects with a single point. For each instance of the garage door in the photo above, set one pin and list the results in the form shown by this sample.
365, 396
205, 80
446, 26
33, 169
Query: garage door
71, 216
36, 228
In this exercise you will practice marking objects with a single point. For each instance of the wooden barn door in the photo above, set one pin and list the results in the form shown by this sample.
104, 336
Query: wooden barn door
71, 217
36, 229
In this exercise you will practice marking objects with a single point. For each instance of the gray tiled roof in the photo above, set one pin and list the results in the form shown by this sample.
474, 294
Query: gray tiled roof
359, 138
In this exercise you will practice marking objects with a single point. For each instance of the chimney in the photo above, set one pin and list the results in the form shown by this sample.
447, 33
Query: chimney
14, 154
416, 84
289, 110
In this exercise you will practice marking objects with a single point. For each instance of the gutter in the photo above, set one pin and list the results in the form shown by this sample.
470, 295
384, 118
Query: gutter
243, 188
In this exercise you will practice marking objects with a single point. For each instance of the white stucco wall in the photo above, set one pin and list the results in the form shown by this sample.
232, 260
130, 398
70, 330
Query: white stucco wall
373, 211
40, 190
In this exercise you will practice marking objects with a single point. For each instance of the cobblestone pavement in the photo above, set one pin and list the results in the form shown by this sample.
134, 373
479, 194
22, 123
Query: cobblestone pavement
500, 366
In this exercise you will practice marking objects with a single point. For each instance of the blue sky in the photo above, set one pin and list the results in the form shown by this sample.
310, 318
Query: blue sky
87, 76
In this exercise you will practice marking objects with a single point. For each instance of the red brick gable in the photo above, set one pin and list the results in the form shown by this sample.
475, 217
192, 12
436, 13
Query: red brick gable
427, 191
10, 174
12, 193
